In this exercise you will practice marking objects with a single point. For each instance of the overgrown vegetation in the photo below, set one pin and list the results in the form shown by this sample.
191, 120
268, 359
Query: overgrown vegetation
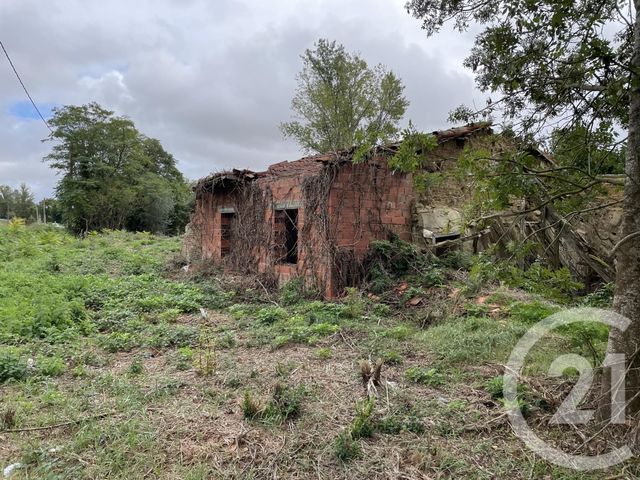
113, 176
138, 360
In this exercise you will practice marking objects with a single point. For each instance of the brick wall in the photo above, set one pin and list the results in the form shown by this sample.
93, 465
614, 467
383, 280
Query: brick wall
364, 202
367, 202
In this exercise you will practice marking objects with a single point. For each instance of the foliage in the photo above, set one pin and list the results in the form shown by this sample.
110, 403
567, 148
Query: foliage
346, 447
406, 418
112, 175
184, 358
51, 366
546, 58
588, 150
285, 404
136, 367
531, 312
557, 285
425, 376
413, 150
12, 365
341, 102
354, 303
363, 425
18, 202
602, 297
271, 314
205, 358
391, 260
56, 287
293, 291
250, 408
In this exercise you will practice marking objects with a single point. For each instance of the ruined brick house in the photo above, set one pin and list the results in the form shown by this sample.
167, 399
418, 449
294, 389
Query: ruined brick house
316, 217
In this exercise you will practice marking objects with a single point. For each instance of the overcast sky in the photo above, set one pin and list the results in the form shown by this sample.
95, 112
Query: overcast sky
210, 79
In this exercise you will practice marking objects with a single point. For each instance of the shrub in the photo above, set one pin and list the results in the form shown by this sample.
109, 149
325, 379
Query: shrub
354, 303
270, 315
363, 426
381, 310
250, 407
425, 376
118, 342
292, 292
136, 367
557, 285
184, 358
601, 298
51, 366
346, 448
12, 366
531, 312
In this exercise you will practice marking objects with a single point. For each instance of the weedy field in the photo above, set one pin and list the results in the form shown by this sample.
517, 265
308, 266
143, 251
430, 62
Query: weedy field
116, 363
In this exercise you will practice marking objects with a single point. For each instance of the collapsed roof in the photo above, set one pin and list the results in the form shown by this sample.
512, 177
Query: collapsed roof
311, 165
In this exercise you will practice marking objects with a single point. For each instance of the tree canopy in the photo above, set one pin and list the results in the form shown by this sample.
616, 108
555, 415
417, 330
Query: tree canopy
549, 61
340, 101
572, 65
17, 202
112, 175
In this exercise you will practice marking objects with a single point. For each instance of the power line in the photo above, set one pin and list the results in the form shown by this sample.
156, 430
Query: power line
23, 86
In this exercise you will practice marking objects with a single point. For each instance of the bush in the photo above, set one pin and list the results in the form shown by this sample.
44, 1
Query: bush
390, 260
12, 366
51, 366
292, 292
363, 426
425, 376
556, 285
346, 448
381, 310
601, 298
531, 312
250, 407
184, 358
354, 303
269, 315
118, 342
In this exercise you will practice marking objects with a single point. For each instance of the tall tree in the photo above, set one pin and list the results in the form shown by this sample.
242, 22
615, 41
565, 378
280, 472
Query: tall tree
566, 63
341, 101
24, 204
6, 201
111, 172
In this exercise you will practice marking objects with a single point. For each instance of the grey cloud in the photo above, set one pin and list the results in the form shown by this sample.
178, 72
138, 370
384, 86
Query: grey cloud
211, 79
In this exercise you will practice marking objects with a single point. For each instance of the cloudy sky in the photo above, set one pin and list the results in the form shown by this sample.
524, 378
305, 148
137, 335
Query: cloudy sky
211, 79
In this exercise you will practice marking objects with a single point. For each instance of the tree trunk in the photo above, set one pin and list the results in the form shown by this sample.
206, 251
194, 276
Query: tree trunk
627, 291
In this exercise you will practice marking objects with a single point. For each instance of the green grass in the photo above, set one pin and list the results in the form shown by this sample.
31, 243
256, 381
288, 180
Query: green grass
101, 334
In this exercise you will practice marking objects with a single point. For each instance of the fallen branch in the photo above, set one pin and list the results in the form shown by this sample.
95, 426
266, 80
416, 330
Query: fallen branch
58, 425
